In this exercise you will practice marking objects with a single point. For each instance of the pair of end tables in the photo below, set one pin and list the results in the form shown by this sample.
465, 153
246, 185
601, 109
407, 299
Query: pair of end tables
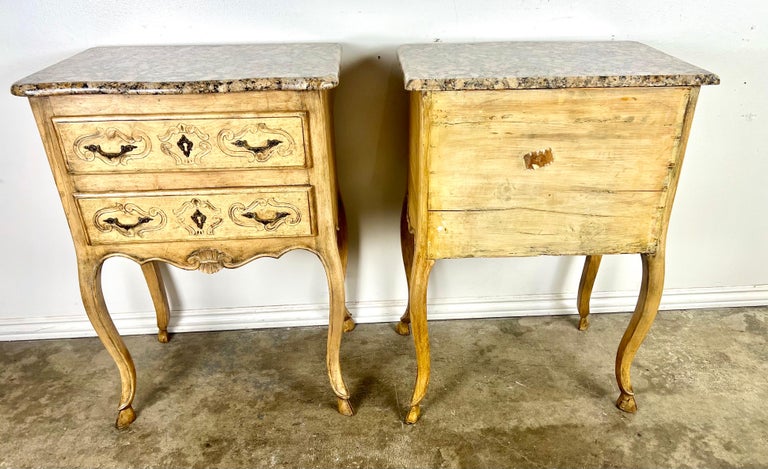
516, 149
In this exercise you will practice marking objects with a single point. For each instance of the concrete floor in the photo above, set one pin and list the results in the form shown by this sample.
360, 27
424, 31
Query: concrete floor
526, 392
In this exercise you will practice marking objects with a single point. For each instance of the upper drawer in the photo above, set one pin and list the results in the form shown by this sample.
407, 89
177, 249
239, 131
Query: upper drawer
130, 143
553, 150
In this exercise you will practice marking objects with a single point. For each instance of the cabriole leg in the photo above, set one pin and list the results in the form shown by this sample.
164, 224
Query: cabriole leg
342, 242
154, 279
417, 303
588, 275
645, 312
93, 300
406, 247
337, 313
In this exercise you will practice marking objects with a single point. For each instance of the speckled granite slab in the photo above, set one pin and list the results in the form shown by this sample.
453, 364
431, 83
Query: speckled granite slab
188, 70
528, 65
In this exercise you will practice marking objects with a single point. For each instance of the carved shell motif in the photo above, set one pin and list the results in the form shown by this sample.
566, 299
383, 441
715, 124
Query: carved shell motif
129, 220
256, 142
265, 214
209, 260
112, 146
185, 143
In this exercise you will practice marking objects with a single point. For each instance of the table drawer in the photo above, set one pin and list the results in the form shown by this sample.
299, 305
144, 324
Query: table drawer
555, 150
107, 144
267, 212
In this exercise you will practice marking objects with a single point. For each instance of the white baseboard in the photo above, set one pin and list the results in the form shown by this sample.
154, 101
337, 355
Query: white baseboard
377, 311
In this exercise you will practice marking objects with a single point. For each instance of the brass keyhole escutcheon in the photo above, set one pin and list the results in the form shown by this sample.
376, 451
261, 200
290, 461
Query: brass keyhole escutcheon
185, 145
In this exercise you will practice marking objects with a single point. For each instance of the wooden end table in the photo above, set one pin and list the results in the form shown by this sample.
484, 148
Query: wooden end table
543, 148
203, 157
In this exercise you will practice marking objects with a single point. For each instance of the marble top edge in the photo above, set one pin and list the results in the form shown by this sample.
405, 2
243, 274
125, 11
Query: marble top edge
190, 69
545, 65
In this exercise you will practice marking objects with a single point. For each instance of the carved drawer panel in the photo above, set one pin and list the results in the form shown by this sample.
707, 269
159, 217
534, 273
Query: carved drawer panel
121, 144
267, 212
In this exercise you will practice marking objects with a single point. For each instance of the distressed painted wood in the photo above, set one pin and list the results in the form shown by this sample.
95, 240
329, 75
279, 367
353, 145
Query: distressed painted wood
204, 179
527, 165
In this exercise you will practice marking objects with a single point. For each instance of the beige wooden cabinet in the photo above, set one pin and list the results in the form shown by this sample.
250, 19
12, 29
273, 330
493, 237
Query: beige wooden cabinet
203, 157
543, 148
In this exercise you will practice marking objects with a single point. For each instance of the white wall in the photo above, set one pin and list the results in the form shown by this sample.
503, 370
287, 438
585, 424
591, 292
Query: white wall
718, 240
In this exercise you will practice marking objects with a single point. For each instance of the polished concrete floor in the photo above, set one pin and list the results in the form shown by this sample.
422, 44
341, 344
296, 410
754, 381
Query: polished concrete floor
525, 392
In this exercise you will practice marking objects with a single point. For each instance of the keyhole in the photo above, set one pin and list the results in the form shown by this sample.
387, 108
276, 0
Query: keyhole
185, 145
199, 219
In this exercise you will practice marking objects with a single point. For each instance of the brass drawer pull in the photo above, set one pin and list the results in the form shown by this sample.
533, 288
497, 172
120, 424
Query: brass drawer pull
107, 219
271, 143
273, 215
265, 221
110, 155
114, 221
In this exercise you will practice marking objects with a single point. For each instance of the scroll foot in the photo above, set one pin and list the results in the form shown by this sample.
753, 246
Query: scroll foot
349, 323
584, 323
345, 408
125, 417
403, 328
413, 415
627, 403
162, 336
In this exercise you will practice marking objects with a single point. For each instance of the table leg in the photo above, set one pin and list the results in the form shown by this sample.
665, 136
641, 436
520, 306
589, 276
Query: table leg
151, 271
588, 274
406, 246
93, 299
417, 302
335, 273
645, 312
342, 242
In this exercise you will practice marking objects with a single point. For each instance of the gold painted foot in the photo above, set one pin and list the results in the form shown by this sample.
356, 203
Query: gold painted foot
403, 328
627, 403
413, 415
345, 408
349, 323
162, 336
125, 417
584, 323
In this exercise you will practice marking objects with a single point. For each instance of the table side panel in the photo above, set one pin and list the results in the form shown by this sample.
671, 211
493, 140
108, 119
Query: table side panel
529, 172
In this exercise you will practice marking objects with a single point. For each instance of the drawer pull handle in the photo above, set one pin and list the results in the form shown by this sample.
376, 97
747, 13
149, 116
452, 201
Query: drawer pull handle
539, 158
111, 155
271, 143
265, 214
265, 221
114, 221
108, 219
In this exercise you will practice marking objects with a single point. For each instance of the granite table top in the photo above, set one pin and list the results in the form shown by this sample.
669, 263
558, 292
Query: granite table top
530, 65
188, 70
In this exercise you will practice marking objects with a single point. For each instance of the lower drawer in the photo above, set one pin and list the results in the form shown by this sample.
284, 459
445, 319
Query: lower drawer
264, 212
